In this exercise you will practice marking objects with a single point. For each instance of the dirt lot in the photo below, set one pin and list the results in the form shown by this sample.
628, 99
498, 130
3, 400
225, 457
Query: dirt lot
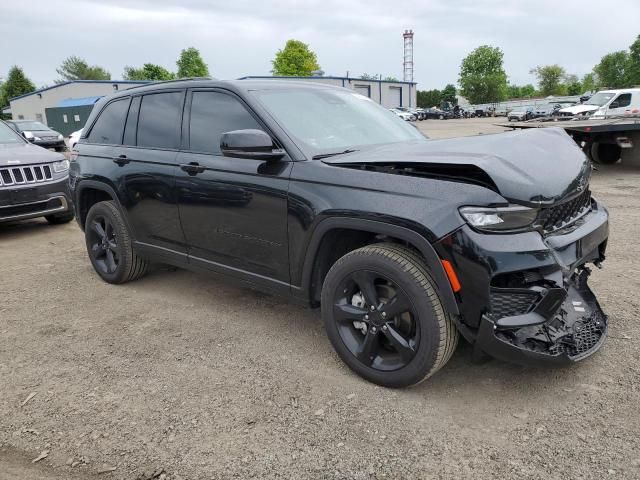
187, 375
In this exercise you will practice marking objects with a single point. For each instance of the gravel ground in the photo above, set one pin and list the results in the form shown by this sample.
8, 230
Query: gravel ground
184, 376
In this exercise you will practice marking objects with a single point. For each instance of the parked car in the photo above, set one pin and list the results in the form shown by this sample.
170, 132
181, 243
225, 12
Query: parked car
520, 114
39, 134
73, 138
546, 110
405, 243
409, 117
606, 103
33, 181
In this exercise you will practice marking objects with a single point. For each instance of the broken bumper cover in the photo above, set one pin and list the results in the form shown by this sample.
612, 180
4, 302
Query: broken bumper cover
577, 328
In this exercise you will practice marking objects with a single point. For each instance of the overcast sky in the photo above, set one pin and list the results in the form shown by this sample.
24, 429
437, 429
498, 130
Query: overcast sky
240, 37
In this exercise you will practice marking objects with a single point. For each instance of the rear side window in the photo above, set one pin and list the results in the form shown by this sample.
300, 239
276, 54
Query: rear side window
132, 122
110, 124
159, 120
212, 114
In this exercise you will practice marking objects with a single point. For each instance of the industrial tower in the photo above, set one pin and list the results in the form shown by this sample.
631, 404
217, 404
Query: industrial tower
408, 55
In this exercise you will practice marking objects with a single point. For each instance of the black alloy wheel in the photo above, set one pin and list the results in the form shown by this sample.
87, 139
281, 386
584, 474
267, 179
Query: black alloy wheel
104, 245
376, 321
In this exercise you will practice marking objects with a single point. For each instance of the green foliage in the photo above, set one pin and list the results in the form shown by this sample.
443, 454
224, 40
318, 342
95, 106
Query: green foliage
76, 68
573, 85
295, 60
613, 70
429, 98
149, 71
449, 94
391, 79
366, 76
589, 82
16, 84
550, 79
482, 75
521, 91
634, 62
191, 64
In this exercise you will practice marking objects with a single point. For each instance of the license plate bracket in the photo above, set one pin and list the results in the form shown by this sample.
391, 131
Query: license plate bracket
24, 195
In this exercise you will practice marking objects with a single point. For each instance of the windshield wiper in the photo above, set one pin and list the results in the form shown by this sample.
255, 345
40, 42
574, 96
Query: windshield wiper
333, 154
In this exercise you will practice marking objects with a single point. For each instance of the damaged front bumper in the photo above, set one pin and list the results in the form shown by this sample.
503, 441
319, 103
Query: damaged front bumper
525, 297
563, 326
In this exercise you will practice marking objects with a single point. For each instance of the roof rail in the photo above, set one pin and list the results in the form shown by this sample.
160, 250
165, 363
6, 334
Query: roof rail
153, 82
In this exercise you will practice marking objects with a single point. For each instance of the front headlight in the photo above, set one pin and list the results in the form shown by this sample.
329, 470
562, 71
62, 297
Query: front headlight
61, 166
500, 219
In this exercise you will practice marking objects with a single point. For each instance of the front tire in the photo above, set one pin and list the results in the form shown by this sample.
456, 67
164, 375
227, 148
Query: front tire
384, 318
110, 246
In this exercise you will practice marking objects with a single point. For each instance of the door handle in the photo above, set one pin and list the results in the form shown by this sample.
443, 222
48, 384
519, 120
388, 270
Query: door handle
192, 168
121, 160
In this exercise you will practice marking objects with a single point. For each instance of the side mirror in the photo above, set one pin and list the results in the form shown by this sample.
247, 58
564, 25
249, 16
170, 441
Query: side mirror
614, 105
250, 143
29, 136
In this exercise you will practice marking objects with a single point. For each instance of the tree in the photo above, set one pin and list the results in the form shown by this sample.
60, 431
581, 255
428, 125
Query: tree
191, 64
149, 71
589, 82
482, 75
391, 79
634, 62
613, 70
449, 94
76, 68
573, 84
295, 60
550, 79
16, 84
429, 98
366, 76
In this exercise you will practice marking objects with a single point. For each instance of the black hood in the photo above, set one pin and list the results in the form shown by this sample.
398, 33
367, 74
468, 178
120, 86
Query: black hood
531, 167
16, 154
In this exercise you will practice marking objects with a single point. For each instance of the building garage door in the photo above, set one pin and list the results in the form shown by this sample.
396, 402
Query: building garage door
363, 90
395, 97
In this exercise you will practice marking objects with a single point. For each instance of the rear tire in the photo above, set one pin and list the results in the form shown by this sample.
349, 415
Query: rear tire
396, 349
59, 218
110, 246
605, 153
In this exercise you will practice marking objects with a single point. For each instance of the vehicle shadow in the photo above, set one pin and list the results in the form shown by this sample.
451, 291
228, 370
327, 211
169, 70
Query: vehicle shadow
15, 230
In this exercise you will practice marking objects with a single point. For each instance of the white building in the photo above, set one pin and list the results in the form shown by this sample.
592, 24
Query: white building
387, 93
31, 106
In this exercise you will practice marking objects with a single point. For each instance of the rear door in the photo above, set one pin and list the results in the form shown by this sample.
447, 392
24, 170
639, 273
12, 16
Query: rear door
147, 166
233, 210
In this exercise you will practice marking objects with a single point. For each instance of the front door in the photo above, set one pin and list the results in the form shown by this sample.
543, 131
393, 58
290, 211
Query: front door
233, 210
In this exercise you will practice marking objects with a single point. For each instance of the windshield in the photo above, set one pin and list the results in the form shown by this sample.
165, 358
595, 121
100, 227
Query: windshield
327, 120
28, 126
8, 136
600, 99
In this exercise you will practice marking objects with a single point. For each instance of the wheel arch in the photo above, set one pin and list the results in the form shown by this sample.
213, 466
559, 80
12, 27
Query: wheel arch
90, 192
376, 228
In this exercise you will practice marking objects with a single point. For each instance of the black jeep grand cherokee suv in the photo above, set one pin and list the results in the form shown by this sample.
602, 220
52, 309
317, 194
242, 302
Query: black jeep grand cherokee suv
318, 193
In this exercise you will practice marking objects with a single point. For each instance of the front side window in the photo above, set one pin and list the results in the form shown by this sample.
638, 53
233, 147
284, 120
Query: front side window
328, 120
110, 124
212, 114
623, 100
159, 120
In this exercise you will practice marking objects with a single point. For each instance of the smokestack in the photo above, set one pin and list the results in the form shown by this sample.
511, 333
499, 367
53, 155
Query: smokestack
408, 55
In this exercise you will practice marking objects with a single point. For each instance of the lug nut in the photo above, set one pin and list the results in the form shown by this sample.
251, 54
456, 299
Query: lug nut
384, 315
384, 327
366, 317
372, 308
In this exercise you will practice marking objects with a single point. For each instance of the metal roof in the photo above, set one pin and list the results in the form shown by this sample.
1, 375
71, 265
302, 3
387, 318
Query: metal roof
35, 92
351, 79
78, 102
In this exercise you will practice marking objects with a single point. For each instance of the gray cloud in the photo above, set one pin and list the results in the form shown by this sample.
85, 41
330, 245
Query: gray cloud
240, 37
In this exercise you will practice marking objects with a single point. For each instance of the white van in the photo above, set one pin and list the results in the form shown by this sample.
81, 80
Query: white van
608, 103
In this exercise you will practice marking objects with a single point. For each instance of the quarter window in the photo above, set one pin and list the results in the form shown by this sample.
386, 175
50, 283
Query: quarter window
212, 114
109, 125
159, 120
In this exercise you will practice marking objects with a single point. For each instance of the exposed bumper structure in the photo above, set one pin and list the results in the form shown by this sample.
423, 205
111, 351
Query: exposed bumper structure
524, 297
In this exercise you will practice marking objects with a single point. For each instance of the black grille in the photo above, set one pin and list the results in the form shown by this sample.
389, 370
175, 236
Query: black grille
25, 174
507, 304
586, 334
564, 214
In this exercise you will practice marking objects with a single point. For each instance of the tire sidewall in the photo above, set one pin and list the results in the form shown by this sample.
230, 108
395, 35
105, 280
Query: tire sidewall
426, 317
